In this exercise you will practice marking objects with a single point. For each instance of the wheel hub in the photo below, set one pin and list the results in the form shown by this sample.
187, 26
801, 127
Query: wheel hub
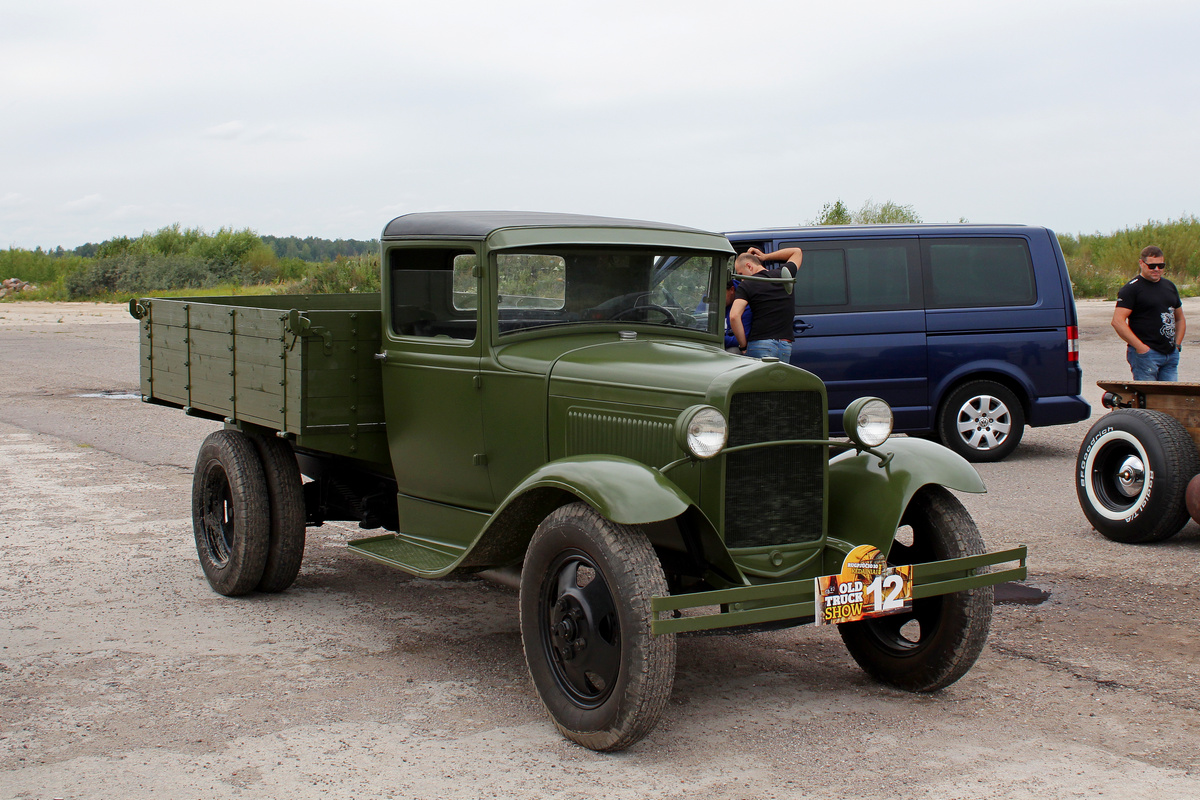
982, 422
1131, 477
566, 625
580, 632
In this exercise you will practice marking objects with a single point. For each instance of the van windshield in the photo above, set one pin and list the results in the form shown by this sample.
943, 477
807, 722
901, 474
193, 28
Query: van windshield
563, 286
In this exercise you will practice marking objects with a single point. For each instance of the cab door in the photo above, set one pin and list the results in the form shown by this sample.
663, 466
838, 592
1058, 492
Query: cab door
431, 381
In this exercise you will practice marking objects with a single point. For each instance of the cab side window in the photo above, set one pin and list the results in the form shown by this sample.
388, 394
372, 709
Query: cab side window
975, 273
434, 292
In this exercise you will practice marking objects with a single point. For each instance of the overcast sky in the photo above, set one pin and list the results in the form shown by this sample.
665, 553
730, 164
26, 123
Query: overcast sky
322, 119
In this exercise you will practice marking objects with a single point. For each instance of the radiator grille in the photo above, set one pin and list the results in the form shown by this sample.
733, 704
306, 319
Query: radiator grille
774, 495
646, 440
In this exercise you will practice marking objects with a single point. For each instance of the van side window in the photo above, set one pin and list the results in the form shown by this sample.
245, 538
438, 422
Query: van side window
857, 276
434, 292
821, 280
878, 276
973, 273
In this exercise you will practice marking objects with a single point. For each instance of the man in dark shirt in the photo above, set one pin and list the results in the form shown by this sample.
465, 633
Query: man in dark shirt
770, 304
1149, 318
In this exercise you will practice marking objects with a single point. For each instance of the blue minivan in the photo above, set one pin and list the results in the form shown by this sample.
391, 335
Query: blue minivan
969, 332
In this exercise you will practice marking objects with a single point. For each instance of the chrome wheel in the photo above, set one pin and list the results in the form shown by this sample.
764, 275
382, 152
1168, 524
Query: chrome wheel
981, 421
984, 422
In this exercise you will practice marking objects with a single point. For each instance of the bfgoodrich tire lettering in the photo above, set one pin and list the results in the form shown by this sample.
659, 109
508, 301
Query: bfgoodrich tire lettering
934, 645
585, 625
1131, 475
230, 513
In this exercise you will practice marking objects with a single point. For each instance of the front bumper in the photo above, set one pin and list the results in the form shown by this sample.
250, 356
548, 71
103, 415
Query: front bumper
770, 602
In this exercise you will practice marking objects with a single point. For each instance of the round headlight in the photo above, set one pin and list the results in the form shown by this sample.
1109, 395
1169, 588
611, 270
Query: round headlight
702, 431
868, 421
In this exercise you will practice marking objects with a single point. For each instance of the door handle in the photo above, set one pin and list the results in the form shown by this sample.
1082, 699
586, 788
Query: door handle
381, 356
799, 326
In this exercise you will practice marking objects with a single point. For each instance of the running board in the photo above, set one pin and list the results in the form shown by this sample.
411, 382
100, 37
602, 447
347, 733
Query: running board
420, 557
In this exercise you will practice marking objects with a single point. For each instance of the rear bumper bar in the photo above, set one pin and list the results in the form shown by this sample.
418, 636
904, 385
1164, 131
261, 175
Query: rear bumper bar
771, 602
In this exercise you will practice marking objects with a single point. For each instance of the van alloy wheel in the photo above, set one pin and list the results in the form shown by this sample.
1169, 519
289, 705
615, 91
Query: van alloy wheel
982, 421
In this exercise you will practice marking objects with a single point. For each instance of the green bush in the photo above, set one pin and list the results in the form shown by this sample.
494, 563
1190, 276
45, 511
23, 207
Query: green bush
1099, 264
36, 266
139, 273
343, 274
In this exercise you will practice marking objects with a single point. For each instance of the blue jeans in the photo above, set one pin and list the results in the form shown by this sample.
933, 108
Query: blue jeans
1153, 366
780, 348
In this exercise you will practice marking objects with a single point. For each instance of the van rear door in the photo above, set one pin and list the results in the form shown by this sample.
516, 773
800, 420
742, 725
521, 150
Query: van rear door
991, 311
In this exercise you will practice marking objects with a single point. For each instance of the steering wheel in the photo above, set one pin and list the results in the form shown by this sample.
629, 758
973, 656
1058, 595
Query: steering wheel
626, 312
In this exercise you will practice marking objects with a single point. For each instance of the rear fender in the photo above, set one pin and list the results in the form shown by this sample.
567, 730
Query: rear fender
866, 500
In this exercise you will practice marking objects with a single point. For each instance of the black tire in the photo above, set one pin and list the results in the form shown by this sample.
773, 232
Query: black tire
230, 513
936, 643
602, 676
285, 493
981, 421
1131, 475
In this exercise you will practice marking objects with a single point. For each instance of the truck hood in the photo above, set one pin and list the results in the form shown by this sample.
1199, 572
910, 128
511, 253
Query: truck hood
673, 373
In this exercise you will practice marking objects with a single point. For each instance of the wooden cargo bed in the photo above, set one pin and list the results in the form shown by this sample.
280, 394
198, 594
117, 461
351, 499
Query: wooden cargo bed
299, 364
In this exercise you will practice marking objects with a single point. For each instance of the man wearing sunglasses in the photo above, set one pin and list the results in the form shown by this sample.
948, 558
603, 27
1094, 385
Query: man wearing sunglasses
1149, 318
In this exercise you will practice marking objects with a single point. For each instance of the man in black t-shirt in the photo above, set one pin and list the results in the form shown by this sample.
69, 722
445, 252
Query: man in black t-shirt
770, 304
1149, 318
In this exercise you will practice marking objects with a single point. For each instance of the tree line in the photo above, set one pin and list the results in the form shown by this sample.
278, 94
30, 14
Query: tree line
179, 259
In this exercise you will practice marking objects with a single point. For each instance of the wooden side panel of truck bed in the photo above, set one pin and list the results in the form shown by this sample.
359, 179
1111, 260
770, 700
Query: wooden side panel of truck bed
302, 365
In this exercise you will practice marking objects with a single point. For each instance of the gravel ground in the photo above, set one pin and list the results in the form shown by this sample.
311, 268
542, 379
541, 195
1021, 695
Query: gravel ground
123, 675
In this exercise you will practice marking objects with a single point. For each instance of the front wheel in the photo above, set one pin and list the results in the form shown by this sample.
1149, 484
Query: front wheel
982, 421
585, 597
1131, 475
936, 643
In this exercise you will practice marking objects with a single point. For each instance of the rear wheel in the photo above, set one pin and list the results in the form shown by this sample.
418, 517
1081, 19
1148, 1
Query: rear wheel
285, 494
1132, 474
936, 643
230, 513
585, 624
982, 421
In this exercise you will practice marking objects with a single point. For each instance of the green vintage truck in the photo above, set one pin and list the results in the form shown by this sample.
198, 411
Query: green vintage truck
549, 393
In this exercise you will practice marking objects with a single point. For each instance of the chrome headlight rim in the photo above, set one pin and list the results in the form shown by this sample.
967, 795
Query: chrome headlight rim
868, 422
710, 439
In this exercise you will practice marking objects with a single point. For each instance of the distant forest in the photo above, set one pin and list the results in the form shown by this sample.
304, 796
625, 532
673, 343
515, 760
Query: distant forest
317, 250
310, 248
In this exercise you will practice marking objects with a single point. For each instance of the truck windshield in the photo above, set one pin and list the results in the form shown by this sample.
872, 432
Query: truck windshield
615, 285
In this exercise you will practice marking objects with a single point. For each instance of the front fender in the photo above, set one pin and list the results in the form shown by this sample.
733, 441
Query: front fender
866, 500
621, 489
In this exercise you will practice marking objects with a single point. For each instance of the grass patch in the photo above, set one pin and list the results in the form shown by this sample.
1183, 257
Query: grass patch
1100, 264
175, 262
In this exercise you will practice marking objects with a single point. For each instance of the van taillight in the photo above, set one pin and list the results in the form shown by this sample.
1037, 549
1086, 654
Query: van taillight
1072, 343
